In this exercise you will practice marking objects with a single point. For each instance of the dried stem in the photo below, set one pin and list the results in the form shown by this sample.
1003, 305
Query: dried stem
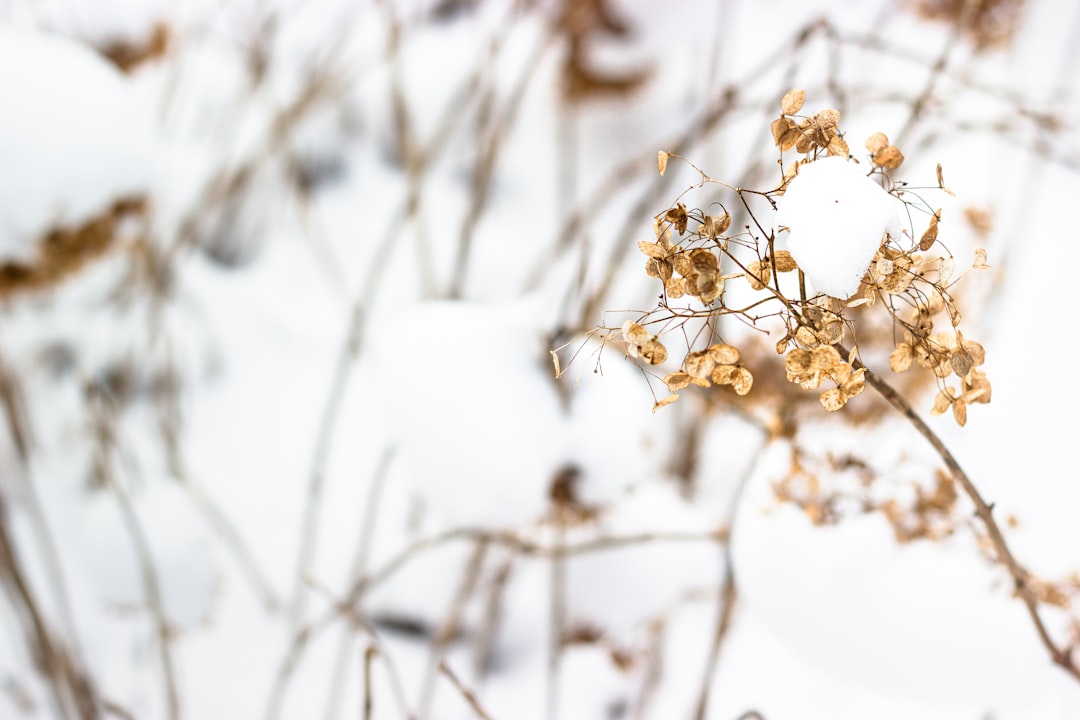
985, 512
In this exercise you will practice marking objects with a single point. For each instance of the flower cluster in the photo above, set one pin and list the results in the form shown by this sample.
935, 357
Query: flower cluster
899, 273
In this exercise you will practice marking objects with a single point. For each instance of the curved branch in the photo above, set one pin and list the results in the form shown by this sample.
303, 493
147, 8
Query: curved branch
985, 512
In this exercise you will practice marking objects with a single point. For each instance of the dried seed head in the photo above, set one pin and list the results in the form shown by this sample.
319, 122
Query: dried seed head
661, 161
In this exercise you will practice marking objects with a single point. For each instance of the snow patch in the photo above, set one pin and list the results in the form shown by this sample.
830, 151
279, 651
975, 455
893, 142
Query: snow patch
835, 218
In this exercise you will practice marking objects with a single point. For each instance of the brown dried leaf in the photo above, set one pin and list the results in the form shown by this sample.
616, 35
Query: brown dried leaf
780, 128
942, 401
709, 287
653, 250
977, 386
877, 142
888, 157
703, 261
826, 121
741, 381
838, 147
784, 261
675, 288
959, 410
961, 363
661, 161
805, 335
930, 236
699, 364
658, 269
635, 334
975, 350
798, 361
677, 215
758, 275
792, 101
723, 354
654, 352
715, 225
833, 400
723, 374
676, 381
665, 401
900, 358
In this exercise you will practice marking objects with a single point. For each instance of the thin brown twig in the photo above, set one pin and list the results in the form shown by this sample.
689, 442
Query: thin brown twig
1021, 577
469, 695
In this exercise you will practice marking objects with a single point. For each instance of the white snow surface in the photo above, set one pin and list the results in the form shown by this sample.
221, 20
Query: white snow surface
835, 218
73, 136
449, 423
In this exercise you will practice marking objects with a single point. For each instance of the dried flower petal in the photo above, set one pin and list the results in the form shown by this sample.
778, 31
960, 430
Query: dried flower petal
833, 400
723, 374
703, 261
665, 401
699, 364
715, 225
980, 260
661, 161
658, 268
652, 249
792, 101
877, 142
784, 261
942, 401
888, 157
781, 128
676, 381
758, 275
635, 334
900, 358
654, 352
741, 381
723, 354
930, 236
838, 147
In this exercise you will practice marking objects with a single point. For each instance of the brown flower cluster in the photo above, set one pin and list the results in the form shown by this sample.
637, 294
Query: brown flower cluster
640, 343
719, 364
902, 273
694, 272
811, 368
818, 131
943, 353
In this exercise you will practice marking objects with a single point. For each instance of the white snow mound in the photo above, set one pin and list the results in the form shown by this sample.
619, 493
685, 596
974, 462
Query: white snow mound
73, 137
835, 218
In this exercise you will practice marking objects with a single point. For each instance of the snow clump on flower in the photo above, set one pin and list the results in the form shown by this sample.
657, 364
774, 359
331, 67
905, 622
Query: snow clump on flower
835, 218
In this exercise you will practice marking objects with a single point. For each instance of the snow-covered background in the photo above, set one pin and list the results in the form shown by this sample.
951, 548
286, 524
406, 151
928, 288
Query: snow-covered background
281, 435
